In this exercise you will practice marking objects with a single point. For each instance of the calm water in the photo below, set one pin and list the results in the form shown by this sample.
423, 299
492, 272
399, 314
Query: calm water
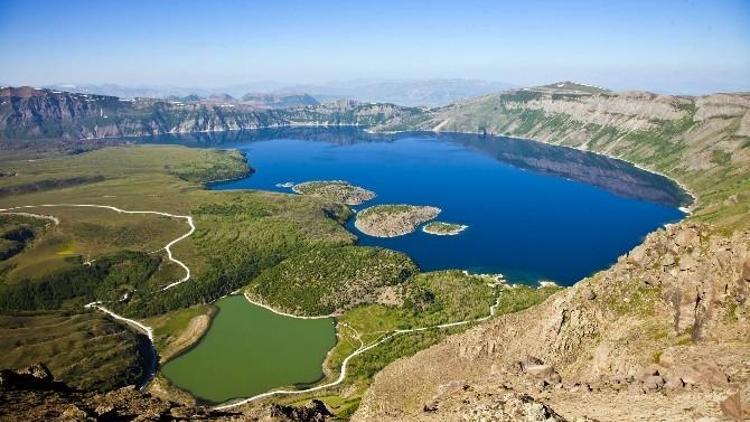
249, 350
534, 211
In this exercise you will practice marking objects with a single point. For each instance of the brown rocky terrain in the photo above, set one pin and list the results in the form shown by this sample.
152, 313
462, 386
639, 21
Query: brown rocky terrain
393, 220
662, 335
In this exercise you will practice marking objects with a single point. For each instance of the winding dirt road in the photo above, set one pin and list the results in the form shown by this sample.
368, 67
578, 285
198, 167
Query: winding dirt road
344, 364
149, 331
168, 248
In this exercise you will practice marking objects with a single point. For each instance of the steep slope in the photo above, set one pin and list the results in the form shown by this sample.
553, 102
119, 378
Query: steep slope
704, 142
662, 335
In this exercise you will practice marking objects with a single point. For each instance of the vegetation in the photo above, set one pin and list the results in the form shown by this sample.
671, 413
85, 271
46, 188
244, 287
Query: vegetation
16, 231
430, 299
85, 350
108, 278
290, 251
335, 190
176, 331
213, 166
325, 280
393, 220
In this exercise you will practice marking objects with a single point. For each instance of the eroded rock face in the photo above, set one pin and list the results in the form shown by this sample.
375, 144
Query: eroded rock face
663, 334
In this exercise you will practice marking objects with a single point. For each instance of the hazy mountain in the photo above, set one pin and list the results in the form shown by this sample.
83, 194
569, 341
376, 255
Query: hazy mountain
132, 91
435, 92
278, 101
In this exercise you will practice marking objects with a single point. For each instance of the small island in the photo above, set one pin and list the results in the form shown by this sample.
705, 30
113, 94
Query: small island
393, 220
441, 228
285, 185
335, 190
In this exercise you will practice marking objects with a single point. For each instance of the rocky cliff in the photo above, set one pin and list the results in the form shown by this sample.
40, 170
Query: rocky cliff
662, 335
27, 113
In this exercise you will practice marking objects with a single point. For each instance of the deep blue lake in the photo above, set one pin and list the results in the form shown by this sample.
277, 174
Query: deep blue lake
534, 211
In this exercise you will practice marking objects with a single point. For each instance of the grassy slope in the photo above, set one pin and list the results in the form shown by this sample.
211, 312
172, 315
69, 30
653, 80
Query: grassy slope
85, 350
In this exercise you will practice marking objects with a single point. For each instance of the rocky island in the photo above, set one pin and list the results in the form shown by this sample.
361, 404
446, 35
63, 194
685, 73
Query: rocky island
393, 220
441, 228
337, 190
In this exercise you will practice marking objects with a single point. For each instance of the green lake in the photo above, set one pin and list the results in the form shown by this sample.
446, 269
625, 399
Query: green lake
249, 350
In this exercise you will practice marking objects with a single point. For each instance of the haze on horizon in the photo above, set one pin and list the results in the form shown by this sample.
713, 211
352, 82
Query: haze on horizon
678, 46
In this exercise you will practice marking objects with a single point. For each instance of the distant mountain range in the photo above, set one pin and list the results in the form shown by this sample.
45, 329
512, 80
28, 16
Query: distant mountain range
28, 113
429, 93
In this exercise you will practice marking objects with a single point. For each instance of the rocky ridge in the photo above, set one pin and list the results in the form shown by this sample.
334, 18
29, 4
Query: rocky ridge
30, 113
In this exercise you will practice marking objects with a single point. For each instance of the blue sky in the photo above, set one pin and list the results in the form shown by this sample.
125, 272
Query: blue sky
669, 45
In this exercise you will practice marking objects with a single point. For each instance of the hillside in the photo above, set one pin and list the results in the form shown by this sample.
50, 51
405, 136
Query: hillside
662, 335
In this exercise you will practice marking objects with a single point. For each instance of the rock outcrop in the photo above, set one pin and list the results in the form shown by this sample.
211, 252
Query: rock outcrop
662, 335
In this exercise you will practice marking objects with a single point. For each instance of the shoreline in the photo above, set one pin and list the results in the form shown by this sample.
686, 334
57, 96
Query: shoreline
361, 349
688, 210
414, 229
277, 312
459, 230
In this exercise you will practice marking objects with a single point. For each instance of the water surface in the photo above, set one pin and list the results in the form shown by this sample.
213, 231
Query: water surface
534, 211
249, 350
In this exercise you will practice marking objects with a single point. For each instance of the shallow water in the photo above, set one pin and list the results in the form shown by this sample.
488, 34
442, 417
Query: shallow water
249, 350
534, 211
